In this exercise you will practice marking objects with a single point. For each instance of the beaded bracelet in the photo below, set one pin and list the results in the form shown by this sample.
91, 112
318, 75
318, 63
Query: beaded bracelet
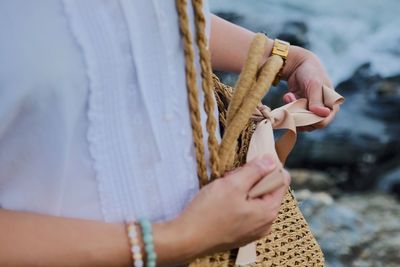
135, 246
148, 242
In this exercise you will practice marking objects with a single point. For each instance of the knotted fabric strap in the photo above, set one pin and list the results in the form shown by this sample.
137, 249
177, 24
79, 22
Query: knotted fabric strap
288, 117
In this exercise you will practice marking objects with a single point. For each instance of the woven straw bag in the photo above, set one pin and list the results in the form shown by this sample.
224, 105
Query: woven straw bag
290, 242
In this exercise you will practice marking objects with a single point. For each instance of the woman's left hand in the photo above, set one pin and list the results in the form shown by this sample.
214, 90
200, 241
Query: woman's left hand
304, 72
306, 76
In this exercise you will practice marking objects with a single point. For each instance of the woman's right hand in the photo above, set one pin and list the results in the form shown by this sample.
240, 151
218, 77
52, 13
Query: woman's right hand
221, 216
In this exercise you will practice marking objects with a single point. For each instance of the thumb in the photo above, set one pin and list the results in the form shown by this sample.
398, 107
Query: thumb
248, 175
315, 100
289, 97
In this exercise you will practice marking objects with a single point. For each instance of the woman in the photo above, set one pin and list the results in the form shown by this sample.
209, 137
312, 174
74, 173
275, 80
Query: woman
95, 131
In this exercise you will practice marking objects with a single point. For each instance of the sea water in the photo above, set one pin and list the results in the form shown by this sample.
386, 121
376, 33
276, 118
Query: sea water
343, 33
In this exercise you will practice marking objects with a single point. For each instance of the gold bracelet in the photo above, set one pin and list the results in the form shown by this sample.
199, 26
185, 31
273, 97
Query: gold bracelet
281, 48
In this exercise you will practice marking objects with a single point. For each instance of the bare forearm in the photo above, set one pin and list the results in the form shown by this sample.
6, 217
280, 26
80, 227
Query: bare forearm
34, 240
28, 239
229, 44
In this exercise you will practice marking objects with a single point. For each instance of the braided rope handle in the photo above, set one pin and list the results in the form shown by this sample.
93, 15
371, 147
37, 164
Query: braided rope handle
252, 85
191, 83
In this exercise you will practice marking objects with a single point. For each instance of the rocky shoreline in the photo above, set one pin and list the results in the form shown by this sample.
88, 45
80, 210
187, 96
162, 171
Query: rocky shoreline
353, 229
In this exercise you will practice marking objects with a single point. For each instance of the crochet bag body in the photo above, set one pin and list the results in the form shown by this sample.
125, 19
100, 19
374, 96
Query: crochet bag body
290, 242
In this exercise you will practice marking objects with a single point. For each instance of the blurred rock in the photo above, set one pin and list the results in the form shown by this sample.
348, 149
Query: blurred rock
385, 96
390, 182
312, 200
382, 248
351, 230
380, 94
312, 180
336, 227
295, 32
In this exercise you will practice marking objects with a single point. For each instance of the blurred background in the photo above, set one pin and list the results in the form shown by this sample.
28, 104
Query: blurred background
346, 177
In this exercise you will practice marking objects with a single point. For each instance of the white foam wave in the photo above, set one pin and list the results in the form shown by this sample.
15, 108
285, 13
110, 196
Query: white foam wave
343, 33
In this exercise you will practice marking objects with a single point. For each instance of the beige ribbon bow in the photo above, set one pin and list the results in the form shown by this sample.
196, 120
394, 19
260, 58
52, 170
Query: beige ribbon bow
289, 117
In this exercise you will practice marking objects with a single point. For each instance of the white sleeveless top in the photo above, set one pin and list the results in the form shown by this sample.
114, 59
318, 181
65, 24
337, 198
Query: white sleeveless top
94, 121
